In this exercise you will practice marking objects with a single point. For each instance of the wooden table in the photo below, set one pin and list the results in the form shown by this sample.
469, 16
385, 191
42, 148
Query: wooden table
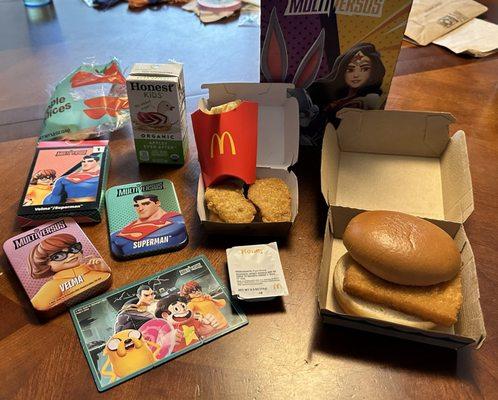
285, 352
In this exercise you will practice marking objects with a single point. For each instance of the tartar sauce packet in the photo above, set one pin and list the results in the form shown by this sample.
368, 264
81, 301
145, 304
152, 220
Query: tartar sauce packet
256, 272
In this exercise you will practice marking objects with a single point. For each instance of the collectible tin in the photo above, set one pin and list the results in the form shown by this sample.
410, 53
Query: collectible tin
65, 180
144, 218
57, 265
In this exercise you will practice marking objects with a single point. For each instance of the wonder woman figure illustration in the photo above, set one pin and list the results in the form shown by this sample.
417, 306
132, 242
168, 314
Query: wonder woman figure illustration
355, 81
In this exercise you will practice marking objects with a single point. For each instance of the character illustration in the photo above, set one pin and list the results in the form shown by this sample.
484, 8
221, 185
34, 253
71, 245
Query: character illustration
202, 303
162, 332
127, 352
39, 187
61, 257
355, 81
77, 187
134, 313
191, 326
155, 229
274, 67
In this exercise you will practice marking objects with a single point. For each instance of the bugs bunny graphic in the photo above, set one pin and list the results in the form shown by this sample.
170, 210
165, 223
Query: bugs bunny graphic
274, 67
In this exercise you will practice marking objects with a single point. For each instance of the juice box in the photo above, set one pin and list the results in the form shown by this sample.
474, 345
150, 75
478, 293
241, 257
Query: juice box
156, 96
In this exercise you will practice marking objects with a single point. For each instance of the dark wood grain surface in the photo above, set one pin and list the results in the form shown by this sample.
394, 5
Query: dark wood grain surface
285, 352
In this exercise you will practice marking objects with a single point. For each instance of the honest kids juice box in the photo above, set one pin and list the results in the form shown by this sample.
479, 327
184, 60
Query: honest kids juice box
57, 265
156, 95
144, 218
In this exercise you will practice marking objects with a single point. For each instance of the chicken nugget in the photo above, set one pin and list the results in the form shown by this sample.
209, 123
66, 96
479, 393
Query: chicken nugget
272, 197
227, 201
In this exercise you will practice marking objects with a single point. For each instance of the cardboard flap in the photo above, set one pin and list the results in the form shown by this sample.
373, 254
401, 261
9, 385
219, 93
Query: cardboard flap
456, 180
437, 187
278, 120
324, 278
372, 131
144, 69
470, 322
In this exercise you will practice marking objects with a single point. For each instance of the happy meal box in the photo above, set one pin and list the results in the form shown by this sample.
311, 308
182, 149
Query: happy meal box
57, 265
337, 53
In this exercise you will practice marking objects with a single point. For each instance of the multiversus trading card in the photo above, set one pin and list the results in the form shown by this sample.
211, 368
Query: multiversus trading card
65, 180
144, 218
57, 265
149, 322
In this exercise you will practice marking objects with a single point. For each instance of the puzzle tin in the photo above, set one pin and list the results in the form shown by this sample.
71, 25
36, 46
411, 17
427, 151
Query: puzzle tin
144, 218
58, 266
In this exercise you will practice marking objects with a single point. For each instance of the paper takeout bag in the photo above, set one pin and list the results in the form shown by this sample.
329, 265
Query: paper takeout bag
227, 143
431, 19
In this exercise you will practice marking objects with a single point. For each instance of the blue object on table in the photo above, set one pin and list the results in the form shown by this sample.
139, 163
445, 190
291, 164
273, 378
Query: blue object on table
36, 3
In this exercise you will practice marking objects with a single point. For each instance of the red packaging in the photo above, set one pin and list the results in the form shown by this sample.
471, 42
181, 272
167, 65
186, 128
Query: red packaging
227, 143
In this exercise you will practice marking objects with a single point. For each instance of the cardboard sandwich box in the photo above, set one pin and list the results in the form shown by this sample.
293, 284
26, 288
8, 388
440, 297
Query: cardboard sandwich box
278, 146
400, 161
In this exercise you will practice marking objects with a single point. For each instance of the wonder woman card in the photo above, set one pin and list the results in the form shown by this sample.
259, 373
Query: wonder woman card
144, 218
145, 324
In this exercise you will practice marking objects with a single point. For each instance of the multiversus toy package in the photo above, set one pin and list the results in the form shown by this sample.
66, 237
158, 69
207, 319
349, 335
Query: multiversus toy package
337, 53
144, 218
135, 328
57, 265
65, 179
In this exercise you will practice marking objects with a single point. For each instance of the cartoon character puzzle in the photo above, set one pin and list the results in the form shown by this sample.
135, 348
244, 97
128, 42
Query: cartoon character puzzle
202, 303
155, 229
190, 326
39, 187
78, 186
355, 81
127, 352
135, 313
162, 332
60, 256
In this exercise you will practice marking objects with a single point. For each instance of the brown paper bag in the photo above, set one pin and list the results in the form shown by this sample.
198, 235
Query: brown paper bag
431, 19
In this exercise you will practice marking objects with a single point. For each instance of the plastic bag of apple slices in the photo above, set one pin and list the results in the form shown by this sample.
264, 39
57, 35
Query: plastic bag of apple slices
89, 102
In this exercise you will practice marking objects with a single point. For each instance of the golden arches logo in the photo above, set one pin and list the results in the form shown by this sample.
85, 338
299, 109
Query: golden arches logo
221, 143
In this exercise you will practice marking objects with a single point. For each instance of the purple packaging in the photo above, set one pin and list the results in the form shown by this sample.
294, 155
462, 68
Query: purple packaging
337, 53
57, 265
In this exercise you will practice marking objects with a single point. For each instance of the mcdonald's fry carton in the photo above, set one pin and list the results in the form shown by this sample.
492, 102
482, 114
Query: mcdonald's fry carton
156, 95
227, 139
276, 150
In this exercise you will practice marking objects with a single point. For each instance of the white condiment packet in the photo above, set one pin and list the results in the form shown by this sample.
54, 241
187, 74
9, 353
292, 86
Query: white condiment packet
256, 272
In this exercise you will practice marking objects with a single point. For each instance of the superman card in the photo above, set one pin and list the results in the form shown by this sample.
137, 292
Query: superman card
144, 218
65, 180
145, 324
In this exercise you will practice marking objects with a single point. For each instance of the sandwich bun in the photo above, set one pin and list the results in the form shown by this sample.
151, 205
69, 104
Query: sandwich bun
401, 248
355, 306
